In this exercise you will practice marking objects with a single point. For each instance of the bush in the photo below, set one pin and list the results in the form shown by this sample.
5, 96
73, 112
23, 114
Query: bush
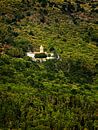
23, 43
15, 52
41, 55
94, 37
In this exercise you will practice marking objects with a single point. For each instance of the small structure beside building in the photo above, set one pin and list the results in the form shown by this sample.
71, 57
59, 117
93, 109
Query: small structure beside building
41, 55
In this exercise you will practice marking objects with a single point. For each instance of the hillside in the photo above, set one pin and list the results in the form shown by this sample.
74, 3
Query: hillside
56, 94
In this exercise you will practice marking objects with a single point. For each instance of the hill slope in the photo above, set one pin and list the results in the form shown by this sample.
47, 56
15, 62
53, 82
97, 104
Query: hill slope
56, 94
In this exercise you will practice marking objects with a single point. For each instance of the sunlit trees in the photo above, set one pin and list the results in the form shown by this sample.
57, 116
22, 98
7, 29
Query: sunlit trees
56, 94
15, 52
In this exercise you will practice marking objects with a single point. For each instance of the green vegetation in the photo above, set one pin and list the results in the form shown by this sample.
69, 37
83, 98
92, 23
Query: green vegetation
40, 55
56, 94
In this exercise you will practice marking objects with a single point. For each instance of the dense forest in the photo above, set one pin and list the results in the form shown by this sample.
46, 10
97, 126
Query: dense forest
55, 94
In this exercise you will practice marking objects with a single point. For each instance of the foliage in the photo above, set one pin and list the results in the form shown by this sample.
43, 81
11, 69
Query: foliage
56, 94
15, 52
41, 55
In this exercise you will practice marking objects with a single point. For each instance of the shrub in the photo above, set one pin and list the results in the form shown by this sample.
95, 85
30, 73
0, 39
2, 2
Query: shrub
23, 43
94, 37
41, 55
15, 52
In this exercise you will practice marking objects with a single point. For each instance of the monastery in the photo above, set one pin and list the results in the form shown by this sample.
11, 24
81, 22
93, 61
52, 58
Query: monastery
48, 55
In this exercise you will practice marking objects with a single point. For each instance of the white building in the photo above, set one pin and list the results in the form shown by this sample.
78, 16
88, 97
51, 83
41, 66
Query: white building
41, 49
30, 54
49, 55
